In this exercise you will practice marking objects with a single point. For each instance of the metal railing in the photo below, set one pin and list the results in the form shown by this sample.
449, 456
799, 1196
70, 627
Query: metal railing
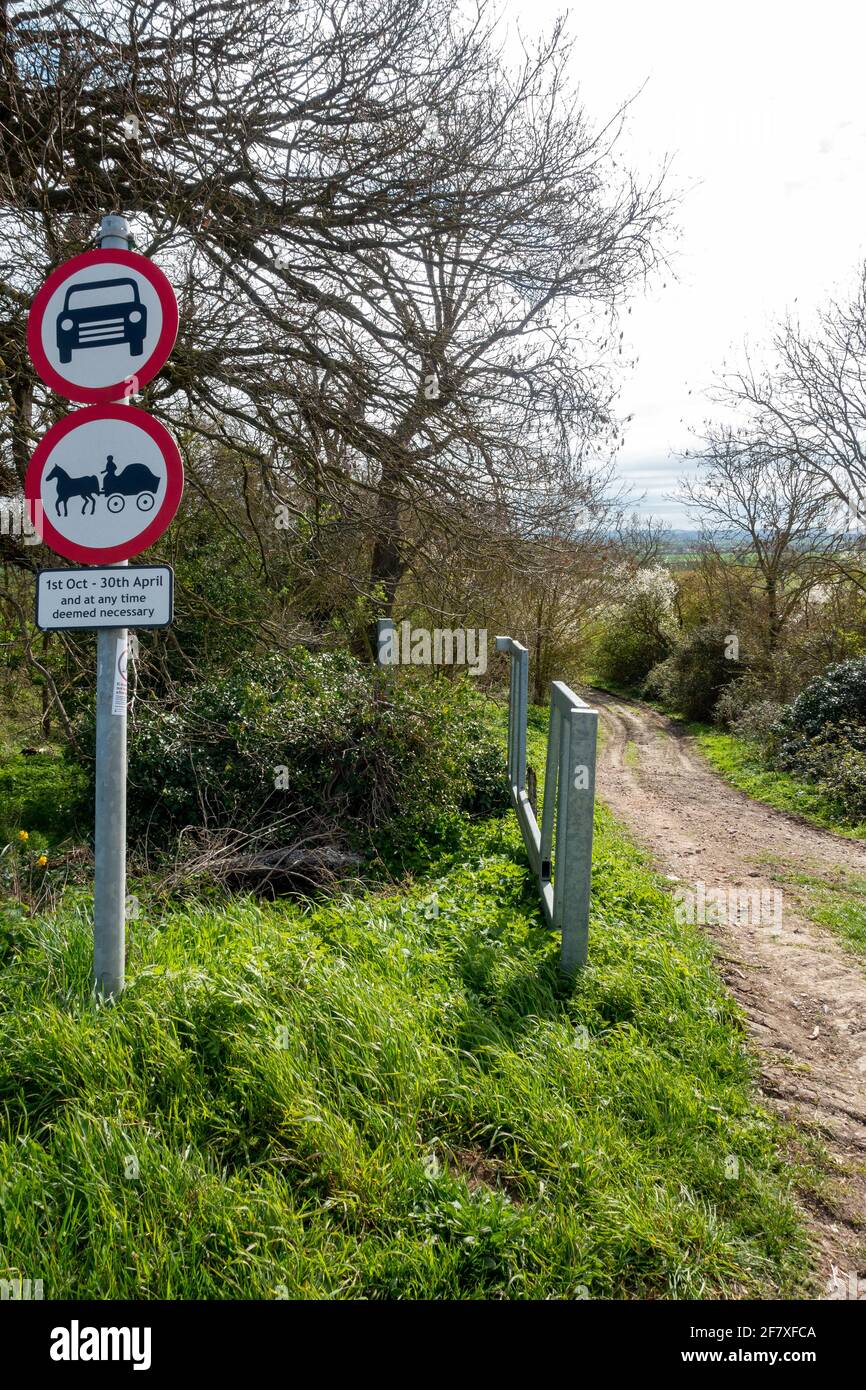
564, 870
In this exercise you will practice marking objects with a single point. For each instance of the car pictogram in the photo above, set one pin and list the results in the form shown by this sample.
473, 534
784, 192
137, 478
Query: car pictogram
101, 313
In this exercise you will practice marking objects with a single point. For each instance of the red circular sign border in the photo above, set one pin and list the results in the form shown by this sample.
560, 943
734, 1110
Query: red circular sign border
105, 555
91, 395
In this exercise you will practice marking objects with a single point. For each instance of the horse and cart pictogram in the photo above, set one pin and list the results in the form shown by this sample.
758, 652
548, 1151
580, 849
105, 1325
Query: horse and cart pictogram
135, 480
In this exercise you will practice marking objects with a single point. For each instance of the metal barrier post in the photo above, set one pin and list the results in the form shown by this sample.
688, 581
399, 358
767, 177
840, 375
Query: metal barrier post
564, 879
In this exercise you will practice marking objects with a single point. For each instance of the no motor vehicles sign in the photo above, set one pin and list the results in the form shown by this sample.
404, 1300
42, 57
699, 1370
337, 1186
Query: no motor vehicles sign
103, 484
102, 325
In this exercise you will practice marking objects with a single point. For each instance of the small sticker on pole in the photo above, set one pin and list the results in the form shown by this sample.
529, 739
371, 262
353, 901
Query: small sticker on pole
118, 699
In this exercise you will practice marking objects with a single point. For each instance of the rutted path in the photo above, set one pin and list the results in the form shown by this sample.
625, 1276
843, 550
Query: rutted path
804, 994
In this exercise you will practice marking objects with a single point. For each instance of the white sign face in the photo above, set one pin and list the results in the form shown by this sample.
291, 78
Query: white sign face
102, 450
104, 483
72, 600
102, 325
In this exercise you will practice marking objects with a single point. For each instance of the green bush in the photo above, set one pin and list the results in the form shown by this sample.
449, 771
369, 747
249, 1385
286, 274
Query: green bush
748, 706
41, 792
640, 628
693, 677
821, 737
372, 757
835, 701
838, 766
626, 653
756, 721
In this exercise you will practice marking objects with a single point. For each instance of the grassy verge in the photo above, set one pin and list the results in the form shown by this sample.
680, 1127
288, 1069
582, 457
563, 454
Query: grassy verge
740, 763
41, 792
391, 1095
836, 900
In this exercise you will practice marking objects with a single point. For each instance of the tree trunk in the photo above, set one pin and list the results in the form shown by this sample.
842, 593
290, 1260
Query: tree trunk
538, 681
386, 565
22, 418
774, 621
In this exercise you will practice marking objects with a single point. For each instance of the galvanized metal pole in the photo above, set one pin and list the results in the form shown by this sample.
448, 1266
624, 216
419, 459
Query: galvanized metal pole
109, 889
567, 811
576, 806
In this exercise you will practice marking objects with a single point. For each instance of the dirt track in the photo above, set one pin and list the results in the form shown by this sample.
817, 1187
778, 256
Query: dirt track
804, 994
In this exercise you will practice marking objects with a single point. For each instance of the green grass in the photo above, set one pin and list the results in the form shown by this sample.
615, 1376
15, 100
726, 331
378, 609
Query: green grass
391, 1095
41, 792
837, 901
739, 761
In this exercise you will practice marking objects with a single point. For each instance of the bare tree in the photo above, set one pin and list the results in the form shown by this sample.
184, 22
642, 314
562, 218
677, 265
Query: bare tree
399, 263
258, 145
377, 228
810, 401
765, 517
500, 316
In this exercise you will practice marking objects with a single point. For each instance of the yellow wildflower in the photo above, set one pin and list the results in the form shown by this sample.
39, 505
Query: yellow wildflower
23, 835
42, 860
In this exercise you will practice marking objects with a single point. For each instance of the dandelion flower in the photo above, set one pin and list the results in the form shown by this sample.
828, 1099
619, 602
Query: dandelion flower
42, 860
23, 835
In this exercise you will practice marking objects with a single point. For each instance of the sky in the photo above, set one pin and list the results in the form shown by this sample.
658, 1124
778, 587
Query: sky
761, 109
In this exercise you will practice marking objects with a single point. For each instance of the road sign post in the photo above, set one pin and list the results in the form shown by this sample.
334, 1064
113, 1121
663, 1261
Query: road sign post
109, 829
109, 883
102, 485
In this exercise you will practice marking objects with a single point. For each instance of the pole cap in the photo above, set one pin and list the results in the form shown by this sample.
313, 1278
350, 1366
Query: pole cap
114, 224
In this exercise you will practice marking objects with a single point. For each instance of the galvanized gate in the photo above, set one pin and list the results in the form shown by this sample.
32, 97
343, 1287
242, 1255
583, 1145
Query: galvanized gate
564, 870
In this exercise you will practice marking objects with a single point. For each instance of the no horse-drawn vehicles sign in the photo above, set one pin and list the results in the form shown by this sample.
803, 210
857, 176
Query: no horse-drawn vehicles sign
103, 484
